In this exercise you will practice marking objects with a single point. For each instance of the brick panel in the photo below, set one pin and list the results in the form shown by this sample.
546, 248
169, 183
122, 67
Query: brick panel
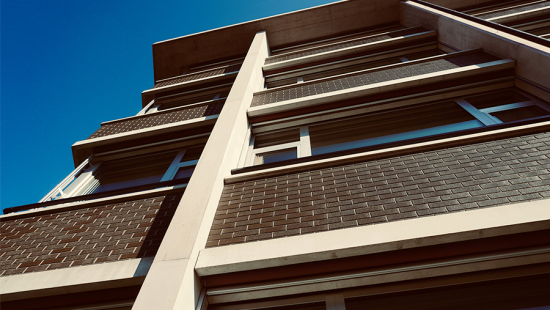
424, 184
515, 10
368, 78
350, 43
85, 236
157, 119
200, 75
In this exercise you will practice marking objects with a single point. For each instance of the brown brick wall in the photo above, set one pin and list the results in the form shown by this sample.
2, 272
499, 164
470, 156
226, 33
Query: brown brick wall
424, 184
157, 119
85, 236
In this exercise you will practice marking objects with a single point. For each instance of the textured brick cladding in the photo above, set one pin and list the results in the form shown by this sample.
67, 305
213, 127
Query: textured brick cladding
85, 236
157, 119
515, 10
423, 184
367, 78
200, 75
334, 47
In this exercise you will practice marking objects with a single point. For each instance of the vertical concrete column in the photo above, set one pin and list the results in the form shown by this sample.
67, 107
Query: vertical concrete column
171, 282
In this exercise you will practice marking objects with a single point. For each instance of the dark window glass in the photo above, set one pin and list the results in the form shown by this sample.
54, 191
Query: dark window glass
496, 99
520, 113
308, 306
135, 171
193, 153
276, 138
184, 172
276, 156
389, 127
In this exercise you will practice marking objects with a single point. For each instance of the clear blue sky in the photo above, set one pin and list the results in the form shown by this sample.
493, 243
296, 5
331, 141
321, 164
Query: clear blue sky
68, 65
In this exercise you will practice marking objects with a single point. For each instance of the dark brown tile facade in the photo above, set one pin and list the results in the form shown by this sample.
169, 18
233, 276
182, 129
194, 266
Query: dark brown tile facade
85, 236
367, 78
424, 184
157, 119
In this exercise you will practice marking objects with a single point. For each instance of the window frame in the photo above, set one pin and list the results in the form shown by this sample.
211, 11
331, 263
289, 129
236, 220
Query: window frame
481, 115
82, 180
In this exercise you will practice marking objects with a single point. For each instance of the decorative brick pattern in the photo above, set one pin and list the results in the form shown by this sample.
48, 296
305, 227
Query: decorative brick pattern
350, 43
423, 184
368, 78
201, 75
157, 119
515, 10
85, 236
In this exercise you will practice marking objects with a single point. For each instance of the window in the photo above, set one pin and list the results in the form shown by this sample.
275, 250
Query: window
178, 101
503, 106
90, 177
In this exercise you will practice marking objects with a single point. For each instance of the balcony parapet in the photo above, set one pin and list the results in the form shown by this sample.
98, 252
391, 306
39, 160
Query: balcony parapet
174, 115
368, 78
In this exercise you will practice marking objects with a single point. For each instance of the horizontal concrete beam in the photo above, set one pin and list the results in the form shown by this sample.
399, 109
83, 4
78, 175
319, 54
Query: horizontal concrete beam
74, 279
407, 234
61, 207
520, 15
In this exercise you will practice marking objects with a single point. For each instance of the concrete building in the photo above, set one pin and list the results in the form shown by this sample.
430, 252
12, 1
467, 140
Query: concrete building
365, 154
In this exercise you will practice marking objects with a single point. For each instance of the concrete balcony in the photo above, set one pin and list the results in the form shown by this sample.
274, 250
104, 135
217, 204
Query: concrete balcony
209, 77
346, 48
367, 82
157, 119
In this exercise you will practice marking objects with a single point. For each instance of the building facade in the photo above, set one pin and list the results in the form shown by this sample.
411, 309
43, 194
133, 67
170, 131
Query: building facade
364, 154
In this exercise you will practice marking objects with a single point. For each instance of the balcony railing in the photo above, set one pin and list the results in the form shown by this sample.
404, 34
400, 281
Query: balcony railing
159, 118
371, 76
225, 70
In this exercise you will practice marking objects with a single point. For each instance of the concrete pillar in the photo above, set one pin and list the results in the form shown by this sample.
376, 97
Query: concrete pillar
171, 282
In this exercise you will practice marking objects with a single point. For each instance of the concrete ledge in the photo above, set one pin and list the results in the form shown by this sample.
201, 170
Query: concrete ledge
61, 207
380, 87
75, 279
519, 15
82, 149
426, 231
346, 51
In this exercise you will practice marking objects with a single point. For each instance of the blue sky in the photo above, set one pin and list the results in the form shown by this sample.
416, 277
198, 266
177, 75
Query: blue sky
66, 66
